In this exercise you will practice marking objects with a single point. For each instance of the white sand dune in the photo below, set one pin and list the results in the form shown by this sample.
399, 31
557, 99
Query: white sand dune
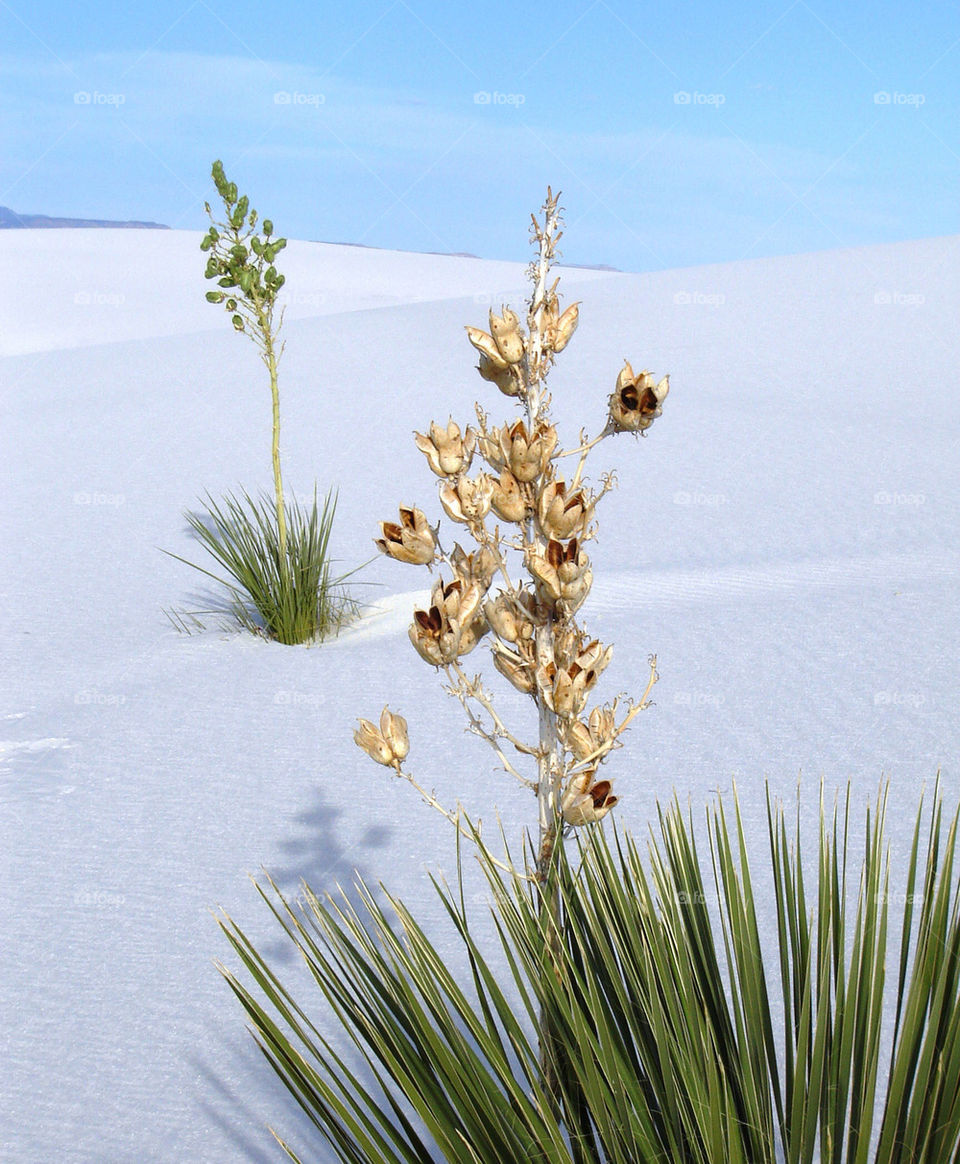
652, 590
785, 541
93, 286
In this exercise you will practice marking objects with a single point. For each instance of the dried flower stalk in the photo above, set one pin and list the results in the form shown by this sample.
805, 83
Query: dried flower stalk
530, 526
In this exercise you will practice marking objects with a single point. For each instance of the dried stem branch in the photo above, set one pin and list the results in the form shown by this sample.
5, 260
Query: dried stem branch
453, 817
466, 689
545, 520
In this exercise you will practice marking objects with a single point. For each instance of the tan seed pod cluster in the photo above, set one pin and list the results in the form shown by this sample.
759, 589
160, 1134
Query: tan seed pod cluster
513, 617
452, 626
508, 380
502, 348
566, 326
447, 452
516, 665
467, 500
457, 599
526, 455
389, 745
508, 500
412, 541
577, 664
563, 574
477, 568
574, 646
637, 400
486, 347
558, 328
505, 330
594, 738
561, 516
565, 689
436, 639
585, 802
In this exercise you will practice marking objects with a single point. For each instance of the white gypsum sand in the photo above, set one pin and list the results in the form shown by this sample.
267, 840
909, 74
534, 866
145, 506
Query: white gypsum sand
785, 540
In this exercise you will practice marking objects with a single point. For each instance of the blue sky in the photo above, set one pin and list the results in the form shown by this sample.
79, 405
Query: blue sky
680, 133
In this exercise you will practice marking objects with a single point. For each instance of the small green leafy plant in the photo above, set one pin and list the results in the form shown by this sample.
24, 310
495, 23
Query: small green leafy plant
274, 552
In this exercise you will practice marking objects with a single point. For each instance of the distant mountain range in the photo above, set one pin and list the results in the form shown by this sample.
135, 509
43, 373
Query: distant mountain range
11, 220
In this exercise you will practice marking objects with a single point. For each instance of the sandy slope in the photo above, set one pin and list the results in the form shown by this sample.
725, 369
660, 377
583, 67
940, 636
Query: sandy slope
785, 540
89, 286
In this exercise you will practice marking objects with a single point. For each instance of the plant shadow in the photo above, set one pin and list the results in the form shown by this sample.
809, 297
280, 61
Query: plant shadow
313, 855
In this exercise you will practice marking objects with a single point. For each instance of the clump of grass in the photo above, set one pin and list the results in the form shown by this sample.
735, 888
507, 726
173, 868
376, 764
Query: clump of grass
287, 593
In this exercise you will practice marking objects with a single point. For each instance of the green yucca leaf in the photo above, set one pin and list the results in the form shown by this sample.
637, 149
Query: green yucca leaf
298, 600
657, 1002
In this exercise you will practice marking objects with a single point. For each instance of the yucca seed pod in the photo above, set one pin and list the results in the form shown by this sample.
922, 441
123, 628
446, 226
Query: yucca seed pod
562, 573
486, 347
373, 743
637, 400
512, 615
525, 454
566, 326
565, 689
508, 380
514, 668
436, 638
569, 692
412, 541
594, 657
584, 802
592, 739
505, 330
479, 568
561, 516
574, 595
447, 452
468, 501
393, 728
456, 601
507, 499
472, 633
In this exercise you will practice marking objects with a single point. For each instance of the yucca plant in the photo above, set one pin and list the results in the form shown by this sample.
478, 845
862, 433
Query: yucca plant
756, 1048
274, 552
687, 1034
529, 520
630, 1014
241, 259
304, 602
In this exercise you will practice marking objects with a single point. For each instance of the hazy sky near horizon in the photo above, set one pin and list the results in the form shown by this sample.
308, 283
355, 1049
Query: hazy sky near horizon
680, 134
